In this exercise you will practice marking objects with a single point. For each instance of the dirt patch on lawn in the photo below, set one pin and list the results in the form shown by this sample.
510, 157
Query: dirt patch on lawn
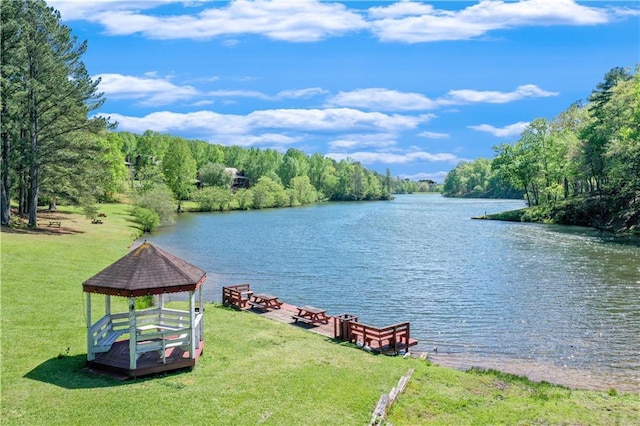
49, 223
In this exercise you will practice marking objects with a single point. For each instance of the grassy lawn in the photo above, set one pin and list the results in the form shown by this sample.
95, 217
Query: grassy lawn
253, 371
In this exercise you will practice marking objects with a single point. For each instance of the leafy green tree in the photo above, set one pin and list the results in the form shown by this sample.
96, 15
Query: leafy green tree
261, 163
234, 156
148, 177
179, 169
294, 163
374, 187
114, 172
151, 148
322, 175
215, 154
623, 151
289, 169
345, 187
199, 152
215, 174
597, 133
303, 191
268, 193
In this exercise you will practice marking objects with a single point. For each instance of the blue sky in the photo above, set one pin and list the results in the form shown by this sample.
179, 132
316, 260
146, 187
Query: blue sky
411, 86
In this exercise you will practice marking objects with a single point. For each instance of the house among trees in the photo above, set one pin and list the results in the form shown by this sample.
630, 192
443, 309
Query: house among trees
150, 340
240, 180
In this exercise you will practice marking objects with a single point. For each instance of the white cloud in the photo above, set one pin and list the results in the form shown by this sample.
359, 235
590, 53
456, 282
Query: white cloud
239, 94
391, 100
465, 96
395, 158
294, 21
401, 9
434, 135
261, 139
72, 10
436, 176
358, 141
285, 94
150, 91
412, 22
301, 93
382, 100
333, 120
314, 20
509, 131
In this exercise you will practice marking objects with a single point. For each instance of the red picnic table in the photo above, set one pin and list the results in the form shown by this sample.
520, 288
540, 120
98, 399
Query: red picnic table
265, 302
311, 315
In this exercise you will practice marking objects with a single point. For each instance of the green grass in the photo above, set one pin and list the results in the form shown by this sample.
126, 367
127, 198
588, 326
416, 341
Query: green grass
253, 371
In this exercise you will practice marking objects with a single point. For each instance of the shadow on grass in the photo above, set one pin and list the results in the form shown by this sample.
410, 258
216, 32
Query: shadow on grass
70, 372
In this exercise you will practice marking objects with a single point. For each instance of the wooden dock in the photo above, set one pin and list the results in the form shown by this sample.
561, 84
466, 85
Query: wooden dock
287, 312
391, 340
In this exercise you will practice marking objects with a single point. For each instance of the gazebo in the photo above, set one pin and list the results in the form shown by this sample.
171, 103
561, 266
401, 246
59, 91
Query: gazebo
152, 340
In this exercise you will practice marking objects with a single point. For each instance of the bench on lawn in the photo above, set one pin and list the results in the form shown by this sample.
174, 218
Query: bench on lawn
237, 295
55, 223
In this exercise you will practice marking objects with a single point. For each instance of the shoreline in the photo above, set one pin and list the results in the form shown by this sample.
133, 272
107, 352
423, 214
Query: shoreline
543, 372
531, 369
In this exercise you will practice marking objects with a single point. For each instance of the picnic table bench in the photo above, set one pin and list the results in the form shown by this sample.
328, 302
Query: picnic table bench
237, 295
55, 223
311, 315
265, 302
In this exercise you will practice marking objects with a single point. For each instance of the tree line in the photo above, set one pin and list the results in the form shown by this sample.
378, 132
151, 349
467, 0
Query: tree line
164, 168
589, 153
53, 152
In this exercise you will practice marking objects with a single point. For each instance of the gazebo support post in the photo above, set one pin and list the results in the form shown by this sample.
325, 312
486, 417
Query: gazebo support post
192, 322
90, 355
107, 304
201, 312
132, 333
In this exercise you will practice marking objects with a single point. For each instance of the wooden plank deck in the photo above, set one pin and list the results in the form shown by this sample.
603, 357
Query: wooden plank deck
287, 311
285, 314
116, 360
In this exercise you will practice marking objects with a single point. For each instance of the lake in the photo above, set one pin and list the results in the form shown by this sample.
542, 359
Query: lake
555, 303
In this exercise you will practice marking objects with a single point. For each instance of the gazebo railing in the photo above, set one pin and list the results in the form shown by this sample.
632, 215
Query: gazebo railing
157, 329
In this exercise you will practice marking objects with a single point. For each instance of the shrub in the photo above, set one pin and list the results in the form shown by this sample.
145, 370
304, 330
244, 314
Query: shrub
159, 199
213, 198
148, 219
244, 199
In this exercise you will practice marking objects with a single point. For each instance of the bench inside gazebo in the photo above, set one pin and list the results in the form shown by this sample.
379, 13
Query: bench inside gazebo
139, 342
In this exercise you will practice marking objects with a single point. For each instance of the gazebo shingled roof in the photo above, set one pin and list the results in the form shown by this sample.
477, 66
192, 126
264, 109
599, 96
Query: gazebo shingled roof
146, 270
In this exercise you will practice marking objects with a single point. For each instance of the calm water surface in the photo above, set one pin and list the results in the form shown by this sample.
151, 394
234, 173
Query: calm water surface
546, 300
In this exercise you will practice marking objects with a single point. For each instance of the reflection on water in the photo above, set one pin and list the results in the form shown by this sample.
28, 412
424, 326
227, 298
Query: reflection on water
565, 297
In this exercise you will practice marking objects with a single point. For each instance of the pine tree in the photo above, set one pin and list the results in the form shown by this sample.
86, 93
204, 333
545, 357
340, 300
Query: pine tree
47, 113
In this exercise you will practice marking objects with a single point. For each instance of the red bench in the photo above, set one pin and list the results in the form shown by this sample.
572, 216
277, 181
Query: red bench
237, 295
393, 338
